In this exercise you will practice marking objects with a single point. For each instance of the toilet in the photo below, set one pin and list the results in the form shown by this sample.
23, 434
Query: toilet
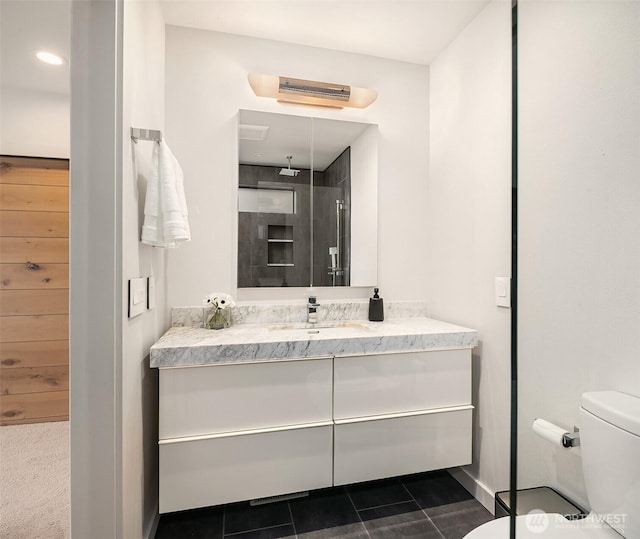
610, 443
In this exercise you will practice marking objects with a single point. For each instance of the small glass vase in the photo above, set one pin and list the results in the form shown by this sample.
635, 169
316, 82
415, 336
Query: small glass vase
217, 320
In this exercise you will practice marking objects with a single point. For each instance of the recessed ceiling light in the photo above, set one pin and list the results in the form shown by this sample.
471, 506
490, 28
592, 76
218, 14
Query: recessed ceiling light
50, 58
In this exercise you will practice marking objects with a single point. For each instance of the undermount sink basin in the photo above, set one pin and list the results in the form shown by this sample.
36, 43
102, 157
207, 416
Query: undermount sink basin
311, 329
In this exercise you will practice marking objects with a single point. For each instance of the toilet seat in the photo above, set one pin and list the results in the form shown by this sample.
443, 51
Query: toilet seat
543, 526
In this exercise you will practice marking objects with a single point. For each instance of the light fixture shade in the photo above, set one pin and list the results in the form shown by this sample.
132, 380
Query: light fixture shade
308, 92
50, 58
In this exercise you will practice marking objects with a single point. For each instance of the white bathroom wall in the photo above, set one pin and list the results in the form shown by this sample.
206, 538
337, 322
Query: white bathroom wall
142, 106
95, 306
117, 81
34, 123
207, 84
468, 211
579, 257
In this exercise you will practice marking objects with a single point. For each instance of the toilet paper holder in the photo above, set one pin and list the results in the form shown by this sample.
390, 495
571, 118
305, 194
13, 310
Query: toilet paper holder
571, 439
555, 434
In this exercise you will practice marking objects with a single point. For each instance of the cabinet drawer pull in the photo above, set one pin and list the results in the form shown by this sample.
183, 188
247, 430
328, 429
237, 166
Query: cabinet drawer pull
403, 414
245, 432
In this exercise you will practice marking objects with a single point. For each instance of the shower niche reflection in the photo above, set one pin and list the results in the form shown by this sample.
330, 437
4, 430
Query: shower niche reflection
307, 201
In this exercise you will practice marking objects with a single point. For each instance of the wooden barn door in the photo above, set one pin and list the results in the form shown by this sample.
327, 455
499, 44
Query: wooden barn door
34, 290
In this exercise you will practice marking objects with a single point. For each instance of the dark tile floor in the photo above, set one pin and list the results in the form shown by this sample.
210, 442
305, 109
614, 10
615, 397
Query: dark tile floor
431, 505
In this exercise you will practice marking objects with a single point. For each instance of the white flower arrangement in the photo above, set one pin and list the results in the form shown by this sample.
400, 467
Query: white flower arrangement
219, 301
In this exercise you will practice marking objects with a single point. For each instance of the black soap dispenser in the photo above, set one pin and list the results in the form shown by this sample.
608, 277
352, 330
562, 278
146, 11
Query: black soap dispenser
376, 307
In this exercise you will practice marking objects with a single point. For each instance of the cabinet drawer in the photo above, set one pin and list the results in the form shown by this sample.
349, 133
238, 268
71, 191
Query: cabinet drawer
405, 382
229, 398
373, 449
238, 467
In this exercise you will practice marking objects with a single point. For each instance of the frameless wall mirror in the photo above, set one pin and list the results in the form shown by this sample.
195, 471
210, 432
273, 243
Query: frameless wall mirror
307, 201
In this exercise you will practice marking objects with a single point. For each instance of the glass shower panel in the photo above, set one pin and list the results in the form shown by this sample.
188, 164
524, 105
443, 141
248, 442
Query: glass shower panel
332, 222
579, 242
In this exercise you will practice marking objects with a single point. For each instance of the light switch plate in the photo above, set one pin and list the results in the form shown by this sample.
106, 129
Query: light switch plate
503, 291
151, 293
137, 296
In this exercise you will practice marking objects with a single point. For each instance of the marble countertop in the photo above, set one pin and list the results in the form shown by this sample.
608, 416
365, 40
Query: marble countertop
189, 346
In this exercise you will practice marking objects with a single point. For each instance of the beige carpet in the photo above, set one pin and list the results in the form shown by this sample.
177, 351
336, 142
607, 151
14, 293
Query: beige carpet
34, 481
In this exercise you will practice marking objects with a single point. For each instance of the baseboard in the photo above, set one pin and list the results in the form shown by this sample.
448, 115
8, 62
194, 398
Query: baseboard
152, 528
476, 488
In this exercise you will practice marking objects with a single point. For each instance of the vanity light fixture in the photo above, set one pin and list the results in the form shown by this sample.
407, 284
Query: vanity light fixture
309, 92
50, 58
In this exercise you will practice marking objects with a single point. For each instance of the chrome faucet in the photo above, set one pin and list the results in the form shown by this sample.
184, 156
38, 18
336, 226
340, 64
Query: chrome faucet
312, 310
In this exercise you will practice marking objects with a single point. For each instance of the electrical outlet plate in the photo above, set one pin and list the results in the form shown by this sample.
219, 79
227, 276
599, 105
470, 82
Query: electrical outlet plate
137, 296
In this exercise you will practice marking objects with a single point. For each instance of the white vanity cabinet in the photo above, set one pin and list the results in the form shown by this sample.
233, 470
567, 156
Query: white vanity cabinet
234, 432
401, 413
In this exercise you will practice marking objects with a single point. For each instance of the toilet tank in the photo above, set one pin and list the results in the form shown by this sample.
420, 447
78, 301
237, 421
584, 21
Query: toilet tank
610, 444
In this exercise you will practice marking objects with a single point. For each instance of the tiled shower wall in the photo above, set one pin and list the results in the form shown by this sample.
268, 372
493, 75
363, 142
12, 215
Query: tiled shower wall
253, 228
253, 231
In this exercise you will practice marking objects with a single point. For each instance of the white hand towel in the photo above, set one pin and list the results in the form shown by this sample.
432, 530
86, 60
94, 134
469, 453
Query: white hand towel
166, 217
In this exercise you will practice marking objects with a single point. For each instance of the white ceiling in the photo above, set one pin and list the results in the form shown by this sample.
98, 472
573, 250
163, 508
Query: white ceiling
27, 26
406, 30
